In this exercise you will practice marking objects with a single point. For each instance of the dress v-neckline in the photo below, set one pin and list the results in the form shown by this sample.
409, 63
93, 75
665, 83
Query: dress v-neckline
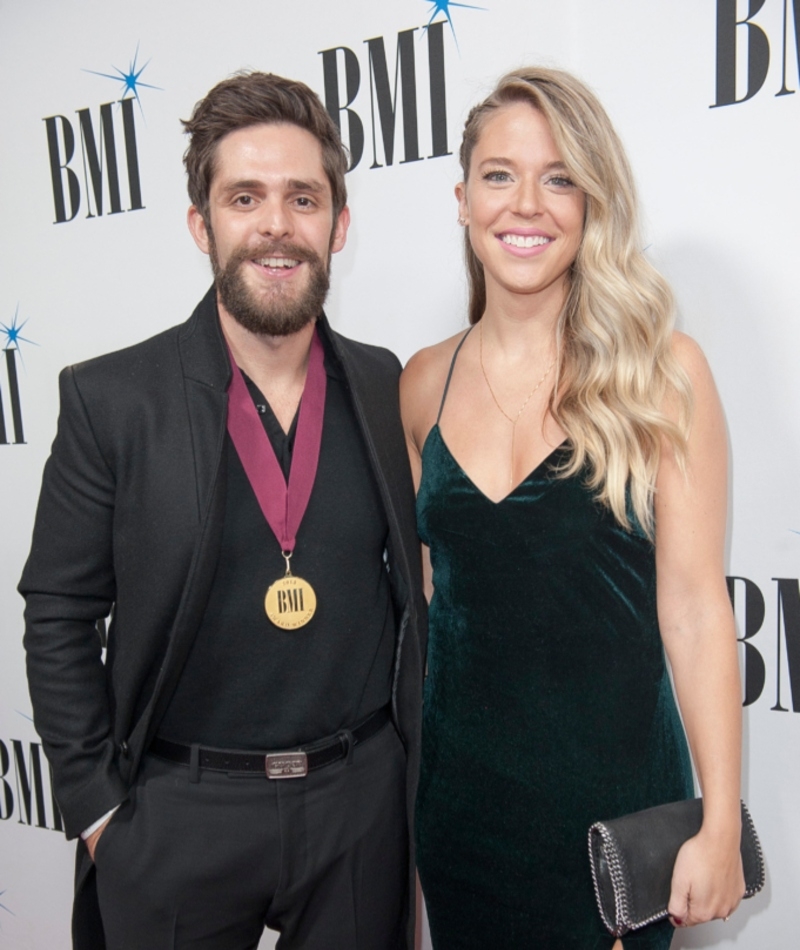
473, 483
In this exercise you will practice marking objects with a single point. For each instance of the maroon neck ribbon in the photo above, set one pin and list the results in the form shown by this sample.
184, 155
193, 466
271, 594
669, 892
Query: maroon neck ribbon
283, 505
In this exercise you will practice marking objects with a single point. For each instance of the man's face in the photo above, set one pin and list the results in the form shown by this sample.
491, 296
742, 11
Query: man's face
270, 230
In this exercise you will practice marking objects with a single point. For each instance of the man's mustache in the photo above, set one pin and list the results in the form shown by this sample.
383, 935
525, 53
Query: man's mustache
273, 249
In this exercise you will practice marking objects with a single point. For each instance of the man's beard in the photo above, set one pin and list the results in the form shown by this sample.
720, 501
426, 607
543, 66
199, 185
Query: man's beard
275, 312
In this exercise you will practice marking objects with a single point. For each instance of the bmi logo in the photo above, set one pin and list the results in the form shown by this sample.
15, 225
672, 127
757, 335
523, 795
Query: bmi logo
26, 785
12, 426
750, 607
743, 47
393, 91
105, 139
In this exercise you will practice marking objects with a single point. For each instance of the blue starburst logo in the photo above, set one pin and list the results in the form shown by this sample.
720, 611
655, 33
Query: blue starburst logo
13, 334
131, 80
444, 7
6, 909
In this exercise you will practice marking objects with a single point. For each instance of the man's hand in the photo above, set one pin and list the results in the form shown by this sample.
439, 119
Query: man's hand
94, 837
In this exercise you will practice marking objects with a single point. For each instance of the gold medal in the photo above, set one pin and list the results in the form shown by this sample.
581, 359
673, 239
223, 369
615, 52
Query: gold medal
290, 602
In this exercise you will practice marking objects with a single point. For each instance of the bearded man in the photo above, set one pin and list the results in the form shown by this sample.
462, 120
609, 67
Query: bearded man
235, 495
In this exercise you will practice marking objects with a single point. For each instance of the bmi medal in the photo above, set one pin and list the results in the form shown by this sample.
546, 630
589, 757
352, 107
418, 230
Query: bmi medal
290, 601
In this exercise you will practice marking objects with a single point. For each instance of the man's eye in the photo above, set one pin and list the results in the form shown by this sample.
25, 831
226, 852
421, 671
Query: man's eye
243, 200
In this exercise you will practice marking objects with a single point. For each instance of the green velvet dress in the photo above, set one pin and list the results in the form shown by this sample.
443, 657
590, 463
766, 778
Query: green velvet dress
547, 707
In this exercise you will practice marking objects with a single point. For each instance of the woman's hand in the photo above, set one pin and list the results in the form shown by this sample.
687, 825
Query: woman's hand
708, 879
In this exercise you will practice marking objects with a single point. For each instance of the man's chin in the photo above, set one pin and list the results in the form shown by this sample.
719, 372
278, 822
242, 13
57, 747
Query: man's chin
271, 318
264, 323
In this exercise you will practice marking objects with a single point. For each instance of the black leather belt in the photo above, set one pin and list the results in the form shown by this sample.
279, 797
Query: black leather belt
293, 763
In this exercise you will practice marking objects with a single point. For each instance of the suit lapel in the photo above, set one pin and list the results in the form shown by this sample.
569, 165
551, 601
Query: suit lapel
378, 412
206, 373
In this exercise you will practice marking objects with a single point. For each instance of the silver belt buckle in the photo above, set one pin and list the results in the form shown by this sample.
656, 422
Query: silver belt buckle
286, 764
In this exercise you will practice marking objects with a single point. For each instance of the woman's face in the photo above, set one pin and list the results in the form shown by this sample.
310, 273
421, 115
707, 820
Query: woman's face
525, 216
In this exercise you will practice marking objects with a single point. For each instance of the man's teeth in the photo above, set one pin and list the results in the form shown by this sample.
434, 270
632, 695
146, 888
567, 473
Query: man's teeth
278, 262
518, 240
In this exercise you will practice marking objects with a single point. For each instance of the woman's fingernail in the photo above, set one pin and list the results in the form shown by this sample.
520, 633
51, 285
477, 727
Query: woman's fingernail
678, 920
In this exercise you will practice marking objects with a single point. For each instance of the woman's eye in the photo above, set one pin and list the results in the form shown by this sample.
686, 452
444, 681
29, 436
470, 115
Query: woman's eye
497, 176
561, 181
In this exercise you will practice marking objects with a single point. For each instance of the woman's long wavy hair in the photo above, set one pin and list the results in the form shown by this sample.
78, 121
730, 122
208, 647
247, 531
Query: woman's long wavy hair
616, 366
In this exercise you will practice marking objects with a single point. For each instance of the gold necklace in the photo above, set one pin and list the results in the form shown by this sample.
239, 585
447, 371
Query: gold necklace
515, 419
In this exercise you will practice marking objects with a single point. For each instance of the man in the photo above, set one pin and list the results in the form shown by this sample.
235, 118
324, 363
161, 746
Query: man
246, 754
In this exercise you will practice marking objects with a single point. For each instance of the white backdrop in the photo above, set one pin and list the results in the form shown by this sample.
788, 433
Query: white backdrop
721, 206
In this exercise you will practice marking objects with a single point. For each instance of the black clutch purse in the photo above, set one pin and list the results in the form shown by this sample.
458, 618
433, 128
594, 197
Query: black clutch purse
632, 860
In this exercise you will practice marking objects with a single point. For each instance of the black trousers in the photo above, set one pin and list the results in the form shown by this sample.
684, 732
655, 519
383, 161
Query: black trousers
208, 864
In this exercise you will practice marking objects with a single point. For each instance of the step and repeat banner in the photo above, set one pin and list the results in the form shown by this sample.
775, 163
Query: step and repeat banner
95, 255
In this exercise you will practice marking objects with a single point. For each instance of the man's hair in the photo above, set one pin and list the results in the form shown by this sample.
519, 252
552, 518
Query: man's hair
252, 98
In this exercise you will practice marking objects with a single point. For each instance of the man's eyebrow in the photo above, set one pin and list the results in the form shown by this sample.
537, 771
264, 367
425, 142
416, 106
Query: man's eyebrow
297, 184
253, 184
243, 184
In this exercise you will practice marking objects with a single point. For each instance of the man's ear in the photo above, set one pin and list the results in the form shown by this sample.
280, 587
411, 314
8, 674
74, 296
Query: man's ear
339, 236
198, 228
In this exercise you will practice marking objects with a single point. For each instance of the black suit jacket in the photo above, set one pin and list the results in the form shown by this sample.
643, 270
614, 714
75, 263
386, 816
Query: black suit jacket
129, 524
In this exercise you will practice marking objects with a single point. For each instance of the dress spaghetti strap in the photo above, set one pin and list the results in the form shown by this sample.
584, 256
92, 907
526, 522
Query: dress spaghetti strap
450, 372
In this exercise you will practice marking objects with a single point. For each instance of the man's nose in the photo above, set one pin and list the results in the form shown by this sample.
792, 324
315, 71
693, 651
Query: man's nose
274, 219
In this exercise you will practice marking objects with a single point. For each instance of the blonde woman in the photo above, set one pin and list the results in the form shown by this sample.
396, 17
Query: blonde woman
570, 457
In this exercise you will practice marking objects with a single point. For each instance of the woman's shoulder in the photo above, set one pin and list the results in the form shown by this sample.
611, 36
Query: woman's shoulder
704, 403
422, 384
427, 369
692, 360
688, 353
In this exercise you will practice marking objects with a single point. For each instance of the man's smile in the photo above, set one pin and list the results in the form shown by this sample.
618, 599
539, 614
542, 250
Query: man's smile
277, 262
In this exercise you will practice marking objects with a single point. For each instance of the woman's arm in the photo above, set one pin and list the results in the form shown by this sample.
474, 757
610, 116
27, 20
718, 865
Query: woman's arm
699, 636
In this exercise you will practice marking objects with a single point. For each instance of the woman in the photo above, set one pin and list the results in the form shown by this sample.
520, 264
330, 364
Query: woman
570, 457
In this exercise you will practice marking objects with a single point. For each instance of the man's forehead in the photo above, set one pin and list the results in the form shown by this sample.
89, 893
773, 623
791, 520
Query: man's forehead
281, 150
265, 137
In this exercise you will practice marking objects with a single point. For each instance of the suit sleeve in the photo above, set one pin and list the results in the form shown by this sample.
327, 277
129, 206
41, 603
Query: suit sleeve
68, 584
